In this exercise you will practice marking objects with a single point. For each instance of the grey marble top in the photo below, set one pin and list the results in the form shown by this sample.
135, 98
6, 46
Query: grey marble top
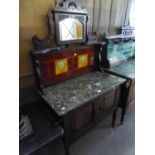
68, 95
95, 42
120, 36
125, 69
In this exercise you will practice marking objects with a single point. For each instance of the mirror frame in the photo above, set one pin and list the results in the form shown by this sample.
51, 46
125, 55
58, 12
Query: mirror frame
70, 9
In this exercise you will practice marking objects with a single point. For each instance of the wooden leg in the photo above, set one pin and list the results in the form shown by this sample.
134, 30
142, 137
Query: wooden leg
66, 146
126, 98
114, 118
68, 132
66, 150
124, 109
122, 116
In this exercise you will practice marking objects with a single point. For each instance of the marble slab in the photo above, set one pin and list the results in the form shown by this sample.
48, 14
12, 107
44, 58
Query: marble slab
120, 36
125, 69
66, 96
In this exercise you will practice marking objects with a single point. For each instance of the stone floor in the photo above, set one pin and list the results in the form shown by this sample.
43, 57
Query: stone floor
102, 140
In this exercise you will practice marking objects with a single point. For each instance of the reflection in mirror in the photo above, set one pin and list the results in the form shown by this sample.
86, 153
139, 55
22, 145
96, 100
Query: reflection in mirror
70, 29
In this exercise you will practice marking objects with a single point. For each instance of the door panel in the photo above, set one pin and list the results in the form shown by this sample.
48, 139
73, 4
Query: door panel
83, 117
104, 103
109, 100
99, 108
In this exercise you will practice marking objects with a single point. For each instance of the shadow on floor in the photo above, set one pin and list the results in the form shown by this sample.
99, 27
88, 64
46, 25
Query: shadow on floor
102, 140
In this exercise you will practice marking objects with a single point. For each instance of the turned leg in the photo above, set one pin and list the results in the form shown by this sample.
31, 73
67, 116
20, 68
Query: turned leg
66, 147
66, 150
122, 116
126, 99
114, 117
67, 124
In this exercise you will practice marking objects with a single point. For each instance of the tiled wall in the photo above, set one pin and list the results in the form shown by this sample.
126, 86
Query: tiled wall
59, 66
120, 51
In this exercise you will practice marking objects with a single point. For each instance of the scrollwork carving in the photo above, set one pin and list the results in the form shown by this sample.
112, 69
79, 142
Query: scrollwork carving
50, 40
66, 8
70, 6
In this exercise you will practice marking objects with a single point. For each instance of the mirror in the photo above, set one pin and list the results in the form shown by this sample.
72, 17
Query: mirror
70, 22
67, 25
70, 29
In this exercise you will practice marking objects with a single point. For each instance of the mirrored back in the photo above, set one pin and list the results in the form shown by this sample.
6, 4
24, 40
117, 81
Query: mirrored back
70, 22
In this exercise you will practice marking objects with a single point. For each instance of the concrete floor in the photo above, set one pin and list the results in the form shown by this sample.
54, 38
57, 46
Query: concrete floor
102, 140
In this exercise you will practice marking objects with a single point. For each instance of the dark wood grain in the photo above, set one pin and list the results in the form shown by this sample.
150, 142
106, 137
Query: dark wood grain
109, 100
83, 117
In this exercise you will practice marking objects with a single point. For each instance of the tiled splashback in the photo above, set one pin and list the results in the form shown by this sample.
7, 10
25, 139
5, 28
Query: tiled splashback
59, 66
120, 51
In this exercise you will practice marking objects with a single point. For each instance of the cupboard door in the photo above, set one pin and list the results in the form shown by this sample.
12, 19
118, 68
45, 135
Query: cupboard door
83, 117
99, 108
104, 104
109, 100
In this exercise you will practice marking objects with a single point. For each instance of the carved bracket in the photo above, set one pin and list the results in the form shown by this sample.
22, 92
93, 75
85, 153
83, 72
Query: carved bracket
50, 40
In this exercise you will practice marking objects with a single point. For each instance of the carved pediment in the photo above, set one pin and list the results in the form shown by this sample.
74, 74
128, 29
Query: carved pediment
70, 6
72, 10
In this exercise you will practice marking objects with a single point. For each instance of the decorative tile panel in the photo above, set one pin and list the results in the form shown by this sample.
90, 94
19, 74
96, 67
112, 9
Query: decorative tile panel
68, 63
61, 66
82, 60
120, 51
